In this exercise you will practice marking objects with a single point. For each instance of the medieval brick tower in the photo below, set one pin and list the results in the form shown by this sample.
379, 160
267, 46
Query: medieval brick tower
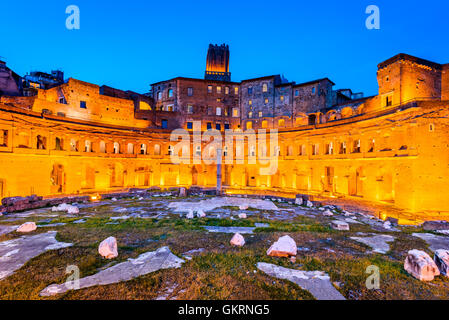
217, 64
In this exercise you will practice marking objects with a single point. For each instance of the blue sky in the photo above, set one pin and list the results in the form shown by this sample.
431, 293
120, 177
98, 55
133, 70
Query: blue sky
131, 44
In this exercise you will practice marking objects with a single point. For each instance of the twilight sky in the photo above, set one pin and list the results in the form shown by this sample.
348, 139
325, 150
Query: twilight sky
131, 44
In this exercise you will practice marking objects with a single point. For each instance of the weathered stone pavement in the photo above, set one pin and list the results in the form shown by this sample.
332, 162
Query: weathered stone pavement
15, 253
241, 230
435, 242
211, 204
145, 263
379, 243
7, 229
316, 282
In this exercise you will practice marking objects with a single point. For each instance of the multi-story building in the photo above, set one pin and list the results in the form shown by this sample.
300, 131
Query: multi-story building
78, 137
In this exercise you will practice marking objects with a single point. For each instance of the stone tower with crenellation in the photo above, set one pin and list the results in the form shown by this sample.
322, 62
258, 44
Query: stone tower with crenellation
217, 64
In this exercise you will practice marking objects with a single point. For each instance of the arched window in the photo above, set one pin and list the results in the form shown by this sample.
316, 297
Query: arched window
41, 142
87, 146
264, 87
73, 145
281, 123
277, 151
130, 149
58, 144
116, 148
143, 148
102, 147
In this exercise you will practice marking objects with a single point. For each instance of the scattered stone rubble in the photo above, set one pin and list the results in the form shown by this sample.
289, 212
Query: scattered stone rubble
237, 240
27, 227
420, 265
340, 225
70, 209
284, 247
108, 248
441, 259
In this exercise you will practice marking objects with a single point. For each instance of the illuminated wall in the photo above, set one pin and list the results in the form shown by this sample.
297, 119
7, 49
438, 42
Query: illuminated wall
395, 153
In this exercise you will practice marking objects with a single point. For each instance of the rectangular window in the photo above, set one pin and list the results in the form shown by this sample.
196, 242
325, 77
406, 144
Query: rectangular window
190, 92
189, 108
315, 149
218, 126
210, 111
164, 123
236, 90
250, 90
329, 148
342, 147
209, 125
218, 111
264, 87
302, 150
170, 93
189, 125
260, 114
209, 89
296, 93
83, 105
235, 112
356, 146
226, 90
227, 126
389, 100
218, 89
3, 138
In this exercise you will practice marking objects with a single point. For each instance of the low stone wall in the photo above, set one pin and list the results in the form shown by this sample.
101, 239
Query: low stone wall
15, 204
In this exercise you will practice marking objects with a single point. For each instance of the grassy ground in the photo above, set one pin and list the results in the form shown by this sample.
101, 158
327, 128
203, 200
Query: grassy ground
220, 271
